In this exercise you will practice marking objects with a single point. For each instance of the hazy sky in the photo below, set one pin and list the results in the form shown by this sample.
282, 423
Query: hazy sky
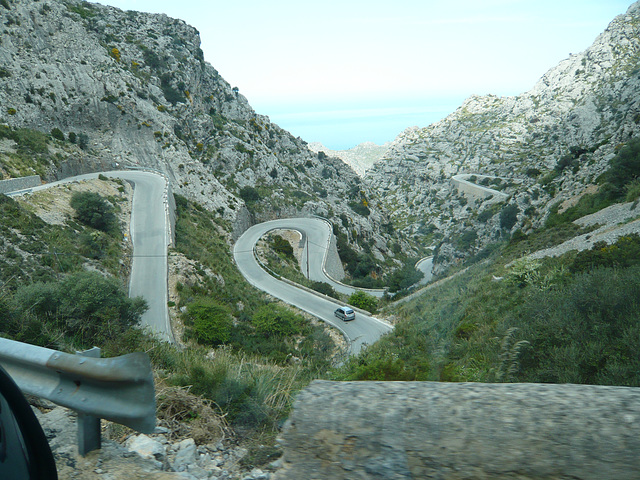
347, 71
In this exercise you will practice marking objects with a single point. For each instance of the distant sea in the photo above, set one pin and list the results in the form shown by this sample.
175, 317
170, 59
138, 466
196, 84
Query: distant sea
341, 127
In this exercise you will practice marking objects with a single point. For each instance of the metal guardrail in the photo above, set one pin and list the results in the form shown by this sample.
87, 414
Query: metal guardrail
118, 389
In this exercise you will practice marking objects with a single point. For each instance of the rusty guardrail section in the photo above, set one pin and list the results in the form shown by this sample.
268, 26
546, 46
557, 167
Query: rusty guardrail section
118, 389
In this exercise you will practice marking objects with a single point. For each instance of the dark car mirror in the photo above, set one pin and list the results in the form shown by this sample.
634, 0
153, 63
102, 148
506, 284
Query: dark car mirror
24, 450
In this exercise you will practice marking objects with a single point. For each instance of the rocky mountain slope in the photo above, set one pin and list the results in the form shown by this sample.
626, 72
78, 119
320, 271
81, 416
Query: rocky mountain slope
360, 158
133, 90
548, 145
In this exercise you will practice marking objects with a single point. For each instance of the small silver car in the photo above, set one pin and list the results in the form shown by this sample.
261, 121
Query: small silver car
345, 314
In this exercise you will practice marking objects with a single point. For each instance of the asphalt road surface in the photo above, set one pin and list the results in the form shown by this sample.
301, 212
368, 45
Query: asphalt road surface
362, 331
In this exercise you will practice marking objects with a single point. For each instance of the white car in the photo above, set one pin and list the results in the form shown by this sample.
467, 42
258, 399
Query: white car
345, 314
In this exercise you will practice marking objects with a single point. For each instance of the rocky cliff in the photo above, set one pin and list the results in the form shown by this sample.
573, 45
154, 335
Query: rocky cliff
547, 145
133, 90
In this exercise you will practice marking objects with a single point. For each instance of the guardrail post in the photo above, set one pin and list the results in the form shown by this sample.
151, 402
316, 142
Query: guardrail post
88, 426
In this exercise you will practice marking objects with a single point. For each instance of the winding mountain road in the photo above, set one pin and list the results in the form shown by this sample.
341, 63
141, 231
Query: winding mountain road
149, 236
150, 240
362, 331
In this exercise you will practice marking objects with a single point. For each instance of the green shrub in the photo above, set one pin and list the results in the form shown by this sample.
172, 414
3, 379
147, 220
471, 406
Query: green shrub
404, 277
94, 211
32, 140
624, 253
508, 217
402, 355
83, 141
587, 332
211, 322
171, 94
624, 167
249, 194
325, 289
364, 301
360, 208
282, 246
274, 320
632, 191
87, 306
57, 134
85, 11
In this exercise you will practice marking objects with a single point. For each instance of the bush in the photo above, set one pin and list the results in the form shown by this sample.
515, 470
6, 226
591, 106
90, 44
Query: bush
404, 277
171, 94
211, 322
624, 253
94, 211
280, 245
508, 217
83, 141
625, 166
249, 194
87, 306
325, 289
364, 301
274, 320
57, 134
32, 140
360, 208
586, 333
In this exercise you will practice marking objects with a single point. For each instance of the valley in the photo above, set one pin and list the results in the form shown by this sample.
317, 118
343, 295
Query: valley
526, 205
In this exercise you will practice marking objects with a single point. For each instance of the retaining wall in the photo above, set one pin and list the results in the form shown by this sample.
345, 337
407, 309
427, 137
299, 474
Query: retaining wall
411, 430
477, 191
22, 183
333, 265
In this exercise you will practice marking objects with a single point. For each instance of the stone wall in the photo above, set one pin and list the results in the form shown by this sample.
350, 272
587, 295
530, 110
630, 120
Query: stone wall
22, 183
410, 430
333, 264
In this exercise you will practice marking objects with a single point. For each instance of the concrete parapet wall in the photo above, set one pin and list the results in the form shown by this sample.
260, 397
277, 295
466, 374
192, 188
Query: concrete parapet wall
333, 265
477, 191
412, 430
22, 183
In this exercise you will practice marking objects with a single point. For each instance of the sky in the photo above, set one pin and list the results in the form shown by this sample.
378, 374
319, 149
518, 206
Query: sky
343, 72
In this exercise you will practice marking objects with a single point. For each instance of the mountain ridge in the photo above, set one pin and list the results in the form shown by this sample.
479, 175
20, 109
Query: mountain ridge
579, 113
136, 86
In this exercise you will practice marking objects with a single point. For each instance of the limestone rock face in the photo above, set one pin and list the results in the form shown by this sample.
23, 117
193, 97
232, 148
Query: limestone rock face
135, 87
582, 109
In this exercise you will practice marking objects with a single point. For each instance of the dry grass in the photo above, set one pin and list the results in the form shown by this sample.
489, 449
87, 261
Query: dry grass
186, 415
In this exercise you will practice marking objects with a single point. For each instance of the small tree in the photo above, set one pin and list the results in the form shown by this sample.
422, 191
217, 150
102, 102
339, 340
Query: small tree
508, 217
94, 211
83, 141
280, 245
